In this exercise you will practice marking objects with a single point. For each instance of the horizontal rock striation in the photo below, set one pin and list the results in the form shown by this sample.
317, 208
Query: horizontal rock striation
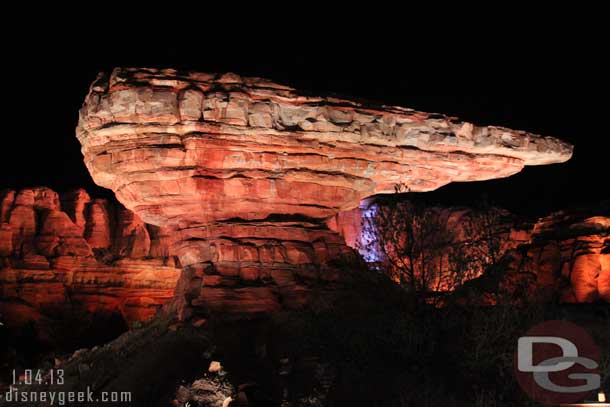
245, 171
70, 252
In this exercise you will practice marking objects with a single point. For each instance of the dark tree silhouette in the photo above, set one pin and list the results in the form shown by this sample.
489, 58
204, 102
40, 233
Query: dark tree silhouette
426, 251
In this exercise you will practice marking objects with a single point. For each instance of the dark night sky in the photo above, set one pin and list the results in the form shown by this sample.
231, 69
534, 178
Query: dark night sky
551, 83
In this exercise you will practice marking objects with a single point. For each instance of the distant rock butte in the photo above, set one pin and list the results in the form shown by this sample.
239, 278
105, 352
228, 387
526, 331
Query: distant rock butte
567, 258
561, 257
245, 172
60, 254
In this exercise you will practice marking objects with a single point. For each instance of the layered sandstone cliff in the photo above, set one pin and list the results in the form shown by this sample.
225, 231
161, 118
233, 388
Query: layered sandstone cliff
244, 172
71, 252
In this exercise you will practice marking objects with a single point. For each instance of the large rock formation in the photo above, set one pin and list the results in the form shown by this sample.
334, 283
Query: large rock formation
78, 254
245, 171
567, 258
562, 257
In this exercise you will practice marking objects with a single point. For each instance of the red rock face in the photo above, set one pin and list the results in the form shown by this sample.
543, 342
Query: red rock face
245, 171
564, 256
90, 256
571, 251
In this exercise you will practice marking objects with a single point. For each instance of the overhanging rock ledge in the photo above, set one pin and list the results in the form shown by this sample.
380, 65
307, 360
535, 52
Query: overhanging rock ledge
245, 171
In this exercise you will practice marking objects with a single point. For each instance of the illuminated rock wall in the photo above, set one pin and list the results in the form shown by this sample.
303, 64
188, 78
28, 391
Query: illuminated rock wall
569, 255
245, 172
564, 256
71, 252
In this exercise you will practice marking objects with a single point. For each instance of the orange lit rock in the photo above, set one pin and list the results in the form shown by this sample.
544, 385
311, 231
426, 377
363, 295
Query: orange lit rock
566, 258
132, 238
583, 276
7, 197
59, 236
32, 261
74, 203
603, 281
583, 242
97, 228
246, 171
53, 261
6, 240
349, 225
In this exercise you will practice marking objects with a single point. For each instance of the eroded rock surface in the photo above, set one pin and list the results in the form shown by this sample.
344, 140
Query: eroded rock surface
564, 256
245, 171
59, 254
568, 256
